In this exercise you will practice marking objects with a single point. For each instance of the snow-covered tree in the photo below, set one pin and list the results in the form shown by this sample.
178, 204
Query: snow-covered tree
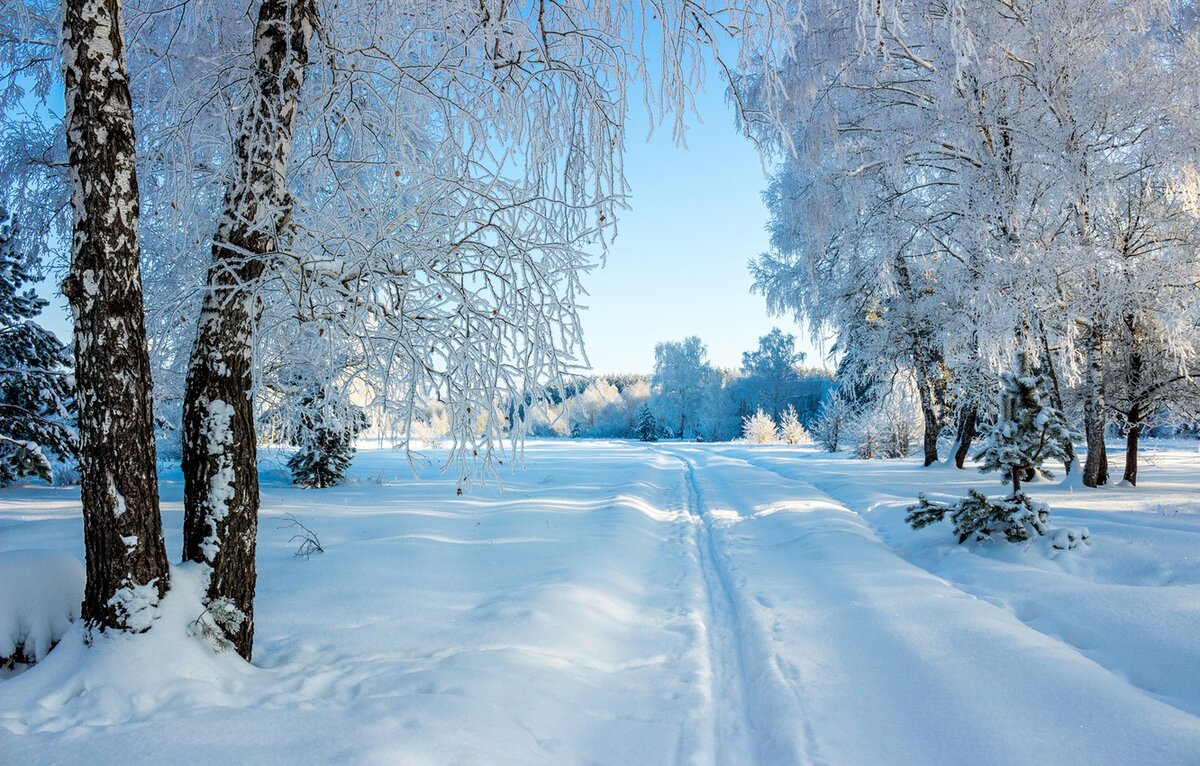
833, 422
771, 376
36, 387
683, 381
760, 428
1028, 430
647, 424
981, 167
791, 430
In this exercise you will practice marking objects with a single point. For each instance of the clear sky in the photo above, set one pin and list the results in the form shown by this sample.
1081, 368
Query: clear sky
678, 265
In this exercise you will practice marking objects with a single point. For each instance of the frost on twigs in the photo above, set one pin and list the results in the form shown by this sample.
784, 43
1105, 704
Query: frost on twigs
760, 428
791, 430
308, 541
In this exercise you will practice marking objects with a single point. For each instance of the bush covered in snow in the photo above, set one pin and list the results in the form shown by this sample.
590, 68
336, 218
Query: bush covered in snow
791, 430
886, 430
760, 428
40, 595
832, 422
976, 517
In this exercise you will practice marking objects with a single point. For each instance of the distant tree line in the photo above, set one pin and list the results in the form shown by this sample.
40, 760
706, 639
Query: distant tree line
687, 397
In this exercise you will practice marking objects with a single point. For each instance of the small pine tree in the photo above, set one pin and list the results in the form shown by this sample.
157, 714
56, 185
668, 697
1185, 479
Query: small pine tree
976, 517
759, 428
1028, 431
324, 432
37, 405
790, 428
833, 421
647, 425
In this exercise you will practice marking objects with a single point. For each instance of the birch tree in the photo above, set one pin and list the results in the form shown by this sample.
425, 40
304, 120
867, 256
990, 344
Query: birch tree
126, 561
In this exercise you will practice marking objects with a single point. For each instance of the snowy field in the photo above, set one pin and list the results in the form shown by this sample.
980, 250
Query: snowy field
622, 603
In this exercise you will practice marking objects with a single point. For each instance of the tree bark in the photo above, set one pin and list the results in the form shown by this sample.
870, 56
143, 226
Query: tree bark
126, 561
1095, 469
219, 443
966, 434
1134, 418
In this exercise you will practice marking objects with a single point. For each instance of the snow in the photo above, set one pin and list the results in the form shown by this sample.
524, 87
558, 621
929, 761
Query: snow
629, 603
40, 594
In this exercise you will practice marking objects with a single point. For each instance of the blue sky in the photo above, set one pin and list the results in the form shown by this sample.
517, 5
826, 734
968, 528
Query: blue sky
678, 265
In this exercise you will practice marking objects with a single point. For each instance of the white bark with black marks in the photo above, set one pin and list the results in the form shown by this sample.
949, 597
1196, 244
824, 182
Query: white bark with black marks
126, 561
219, 445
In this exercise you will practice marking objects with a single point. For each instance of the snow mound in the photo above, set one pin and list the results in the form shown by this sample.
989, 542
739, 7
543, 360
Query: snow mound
40, 594
123, 677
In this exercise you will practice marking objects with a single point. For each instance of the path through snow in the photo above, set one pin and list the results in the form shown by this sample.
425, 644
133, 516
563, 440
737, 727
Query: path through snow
622, 603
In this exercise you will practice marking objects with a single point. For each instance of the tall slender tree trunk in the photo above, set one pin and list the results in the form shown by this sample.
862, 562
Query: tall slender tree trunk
126, 561
966, 434
933, 426
1134, 418
923, 362
1046, 362
219, 445
1095, 469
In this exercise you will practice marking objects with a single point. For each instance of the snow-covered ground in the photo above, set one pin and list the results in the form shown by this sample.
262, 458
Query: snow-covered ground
622, 603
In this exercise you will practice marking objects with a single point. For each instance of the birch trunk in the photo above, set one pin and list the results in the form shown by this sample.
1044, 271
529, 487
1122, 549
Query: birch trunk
1095, 469
923, 362
126, 561
1046, 360
219, 446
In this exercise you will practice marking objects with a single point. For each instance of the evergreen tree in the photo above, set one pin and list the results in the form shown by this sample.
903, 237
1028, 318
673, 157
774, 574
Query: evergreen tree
647, 425
37, 407
324, 432
1028, 431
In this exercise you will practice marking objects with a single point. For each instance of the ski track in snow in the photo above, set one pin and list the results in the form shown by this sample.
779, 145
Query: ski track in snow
732, 720
763, 685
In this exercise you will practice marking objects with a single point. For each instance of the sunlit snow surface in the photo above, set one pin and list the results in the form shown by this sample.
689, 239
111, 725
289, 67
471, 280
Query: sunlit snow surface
622, 603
